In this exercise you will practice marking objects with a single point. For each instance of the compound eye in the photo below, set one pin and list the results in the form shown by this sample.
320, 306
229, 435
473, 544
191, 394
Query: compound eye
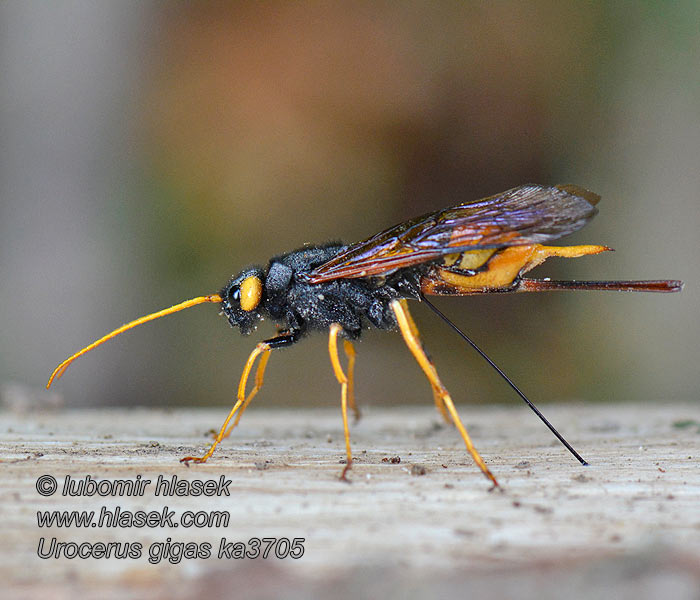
250, 292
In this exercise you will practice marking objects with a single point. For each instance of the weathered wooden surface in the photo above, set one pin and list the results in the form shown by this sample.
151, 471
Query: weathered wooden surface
629, 522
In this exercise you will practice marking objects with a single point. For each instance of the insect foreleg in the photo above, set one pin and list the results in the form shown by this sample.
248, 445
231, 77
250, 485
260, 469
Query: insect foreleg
280, 341
261, 348
259, 377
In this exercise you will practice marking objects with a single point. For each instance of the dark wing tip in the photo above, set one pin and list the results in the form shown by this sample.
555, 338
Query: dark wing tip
576, 190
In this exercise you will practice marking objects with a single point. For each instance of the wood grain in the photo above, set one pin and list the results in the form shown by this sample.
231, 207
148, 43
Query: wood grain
555, 520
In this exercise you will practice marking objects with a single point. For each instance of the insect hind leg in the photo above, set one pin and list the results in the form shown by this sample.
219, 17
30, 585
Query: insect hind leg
440, 405
409, 331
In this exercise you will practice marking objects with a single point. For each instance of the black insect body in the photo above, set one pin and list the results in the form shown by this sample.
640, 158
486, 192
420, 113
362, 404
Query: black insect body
298, 306
479, 247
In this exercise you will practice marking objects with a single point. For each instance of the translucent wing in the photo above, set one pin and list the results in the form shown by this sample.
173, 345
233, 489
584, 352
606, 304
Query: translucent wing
529, 214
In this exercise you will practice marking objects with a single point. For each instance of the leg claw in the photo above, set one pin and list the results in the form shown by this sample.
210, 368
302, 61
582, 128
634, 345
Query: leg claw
196, 459
344, 473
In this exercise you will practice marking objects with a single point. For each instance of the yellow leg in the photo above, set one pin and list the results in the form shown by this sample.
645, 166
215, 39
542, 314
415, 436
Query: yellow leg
259, 376
335, 329
261, 348
350, 353
436, 385
409, 331
440, 405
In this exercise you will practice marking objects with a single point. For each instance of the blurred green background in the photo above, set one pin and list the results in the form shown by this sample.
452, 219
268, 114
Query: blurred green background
151, 150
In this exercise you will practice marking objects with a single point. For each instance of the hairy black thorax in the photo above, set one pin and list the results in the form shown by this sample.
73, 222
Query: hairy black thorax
299, 307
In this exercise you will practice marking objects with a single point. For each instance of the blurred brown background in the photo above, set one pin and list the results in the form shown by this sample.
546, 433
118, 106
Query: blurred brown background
151, 150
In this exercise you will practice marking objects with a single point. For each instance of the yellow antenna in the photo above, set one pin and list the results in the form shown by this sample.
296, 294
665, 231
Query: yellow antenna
60, 369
